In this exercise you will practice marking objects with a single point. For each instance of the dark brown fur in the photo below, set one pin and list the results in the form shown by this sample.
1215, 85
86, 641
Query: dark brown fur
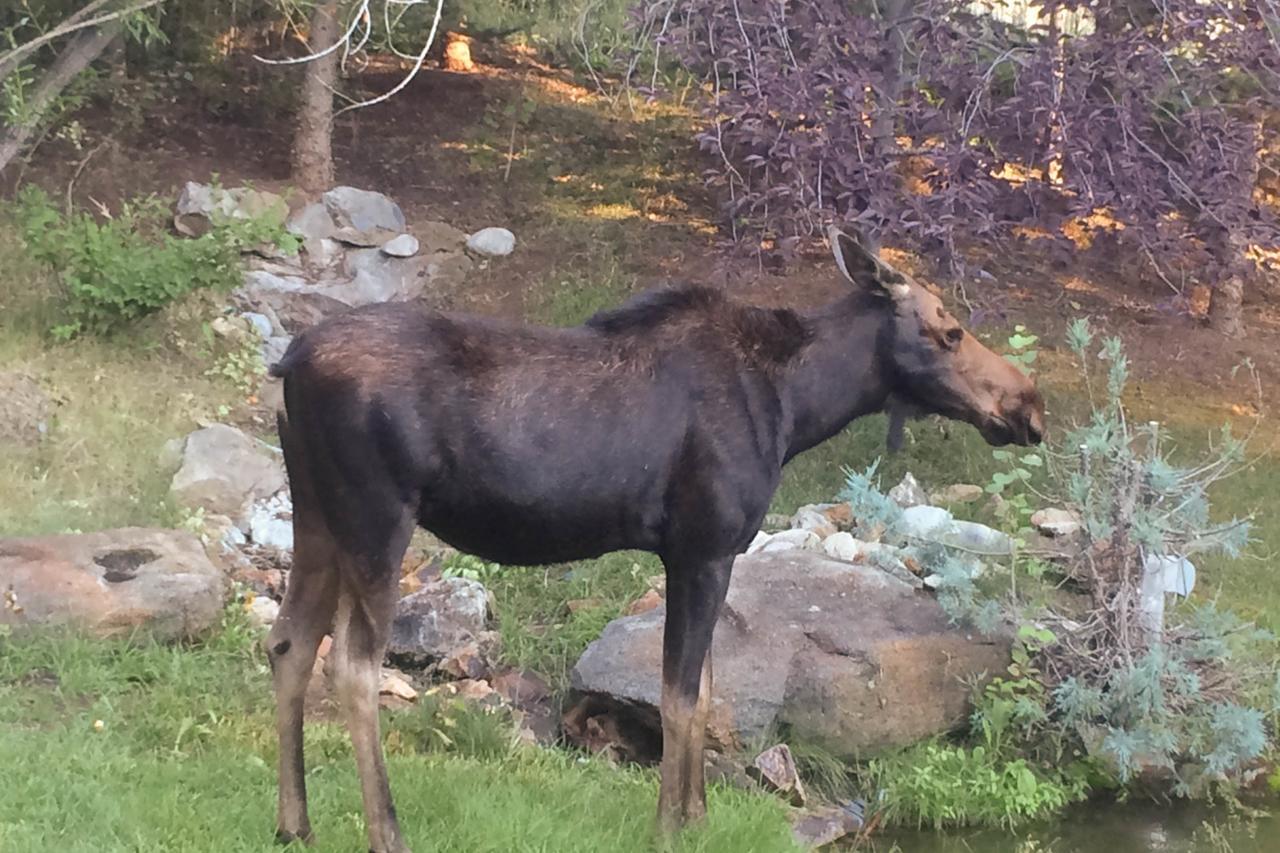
662, 425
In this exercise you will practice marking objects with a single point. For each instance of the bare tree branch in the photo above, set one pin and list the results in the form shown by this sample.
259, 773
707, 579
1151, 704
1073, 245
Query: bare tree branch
75, 22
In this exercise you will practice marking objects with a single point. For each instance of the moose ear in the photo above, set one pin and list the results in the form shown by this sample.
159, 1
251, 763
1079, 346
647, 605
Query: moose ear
861, 266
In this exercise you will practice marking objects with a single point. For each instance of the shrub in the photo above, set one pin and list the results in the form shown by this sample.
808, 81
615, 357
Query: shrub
117, 270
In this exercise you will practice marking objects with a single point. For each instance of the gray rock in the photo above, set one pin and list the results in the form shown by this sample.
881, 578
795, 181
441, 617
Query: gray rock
367, 238
921, 521
908, 493
274, 348
775, 770
1057, 522
263, 611
814, 519
377, 277
24, 410
271, 522
828, 825
112, 582
260, 323
404, 246
844, 654
200, 204
438, 620
322, 253
312, 222
363, 209
494, 242
292, 299
223, 470
785, 540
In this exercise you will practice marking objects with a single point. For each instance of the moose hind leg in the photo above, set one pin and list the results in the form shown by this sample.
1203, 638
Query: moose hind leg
695, 594
305, 616
362, 627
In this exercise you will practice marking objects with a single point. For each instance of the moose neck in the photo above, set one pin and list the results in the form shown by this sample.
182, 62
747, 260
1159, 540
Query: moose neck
841, 375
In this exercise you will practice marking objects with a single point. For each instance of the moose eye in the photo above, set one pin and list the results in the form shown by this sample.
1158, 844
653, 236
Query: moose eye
955, 336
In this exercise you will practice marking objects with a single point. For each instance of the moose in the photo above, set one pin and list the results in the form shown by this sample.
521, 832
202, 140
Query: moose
662, 425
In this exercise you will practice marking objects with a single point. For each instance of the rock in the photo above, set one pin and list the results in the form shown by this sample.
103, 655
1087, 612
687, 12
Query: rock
113, 582
841, 515
273, 349
404, 246
921, 522
775, 770
959, 493
814, 519
843, 546
1057, 522
843, 654
775, 521
976, 538
392, 682
759, 541
908, 492
271, 522
651, 599
260, 323
365, 239
263, 611
321, 253
522, 688
494, 242
466, 661
439, 619
311, 222
267, 583
223, 470
363, 209
726, 770
293, 299
785, 540
199, 205
376, 277
24, 410
617, 733
812, 830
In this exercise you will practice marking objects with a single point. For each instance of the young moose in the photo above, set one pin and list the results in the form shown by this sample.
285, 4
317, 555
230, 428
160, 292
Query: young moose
662, 426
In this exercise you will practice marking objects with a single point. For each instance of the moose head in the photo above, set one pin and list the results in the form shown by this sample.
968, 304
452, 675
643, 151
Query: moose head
935, 366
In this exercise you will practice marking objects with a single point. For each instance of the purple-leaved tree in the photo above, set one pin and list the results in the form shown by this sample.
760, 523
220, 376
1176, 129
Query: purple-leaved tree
948, 123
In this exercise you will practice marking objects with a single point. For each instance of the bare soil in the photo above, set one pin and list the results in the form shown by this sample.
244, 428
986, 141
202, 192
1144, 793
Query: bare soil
587, 185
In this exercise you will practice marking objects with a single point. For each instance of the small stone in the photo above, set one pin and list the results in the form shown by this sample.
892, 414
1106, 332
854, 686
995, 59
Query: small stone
843, 546
812, 518
959, 493
921, 521
404, 246
788, 539
580, 605
522, 688
775, 769
465, 661
393, 683
812, 830
644, 603
271, 522
363, 238
260, 323
495, 242
841, 515
759, 541
263, 611
908, 492
1057, 522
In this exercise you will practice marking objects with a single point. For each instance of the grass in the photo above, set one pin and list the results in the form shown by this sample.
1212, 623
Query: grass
184, 760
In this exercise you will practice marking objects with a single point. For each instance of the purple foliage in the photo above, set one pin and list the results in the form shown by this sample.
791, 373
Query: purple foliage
903, 112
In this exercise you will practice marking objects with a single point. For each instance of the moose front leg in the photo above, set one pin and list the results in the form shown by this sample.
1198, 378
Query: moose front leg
695, 593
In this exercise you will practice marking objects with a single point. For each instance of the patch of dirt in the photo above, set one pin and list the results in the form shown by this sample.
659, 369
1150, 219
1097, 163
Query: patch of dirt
590, 188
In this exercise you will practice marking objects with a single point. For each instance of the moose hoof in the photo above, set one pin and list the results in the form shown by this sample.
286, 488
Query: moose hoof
286, 836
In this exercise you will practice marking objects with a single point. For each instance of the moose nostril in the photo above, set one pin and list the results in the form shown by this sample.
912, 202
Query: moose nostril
1034, 433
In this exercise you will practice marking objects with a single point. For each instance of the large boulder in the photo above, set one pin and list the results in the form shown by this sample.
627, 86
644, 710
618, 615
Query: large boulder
363, 209
439, 620
844, 654
112, 582
223, 471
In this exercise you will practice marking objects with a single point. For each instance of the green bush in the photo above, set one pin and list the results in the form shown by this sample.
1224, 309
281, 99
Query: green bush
117, 270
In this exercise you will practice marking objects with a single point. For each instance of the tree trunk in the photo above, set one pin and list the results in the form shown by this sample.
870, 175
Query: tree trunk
84, 48
1226, 306
884, 124
313, 134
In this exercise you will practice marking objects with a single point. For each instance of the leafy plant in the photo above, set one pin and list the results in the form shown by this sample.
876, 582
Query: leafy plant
469, 566
125, 267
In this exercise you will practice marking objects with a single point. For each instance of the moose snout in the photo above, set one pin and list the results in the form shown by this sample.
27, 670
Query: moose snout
1027, 422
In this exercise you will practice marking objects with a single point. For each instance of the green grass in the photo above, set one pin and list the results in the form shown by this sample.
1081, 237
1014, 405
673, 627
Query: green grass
185, 760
